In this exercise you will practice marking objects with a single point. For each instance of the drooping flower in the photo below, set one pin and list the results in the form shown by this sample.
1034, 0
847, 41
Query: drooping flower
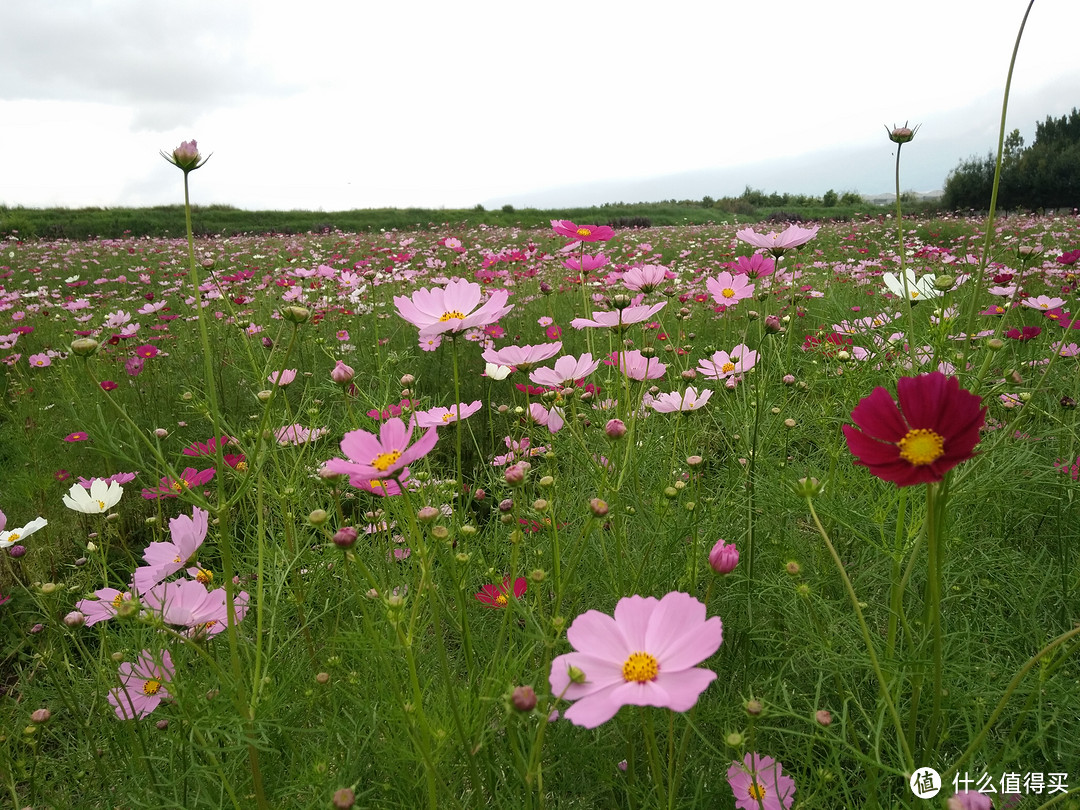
728, 289
524, 358
759, 783
283, 377
439, 417
934, 428
453, 308
646, 655
99, 497
582, 233
619, 319
777, 243
142, 685
368, 456
13, 536
498, 596
165, 559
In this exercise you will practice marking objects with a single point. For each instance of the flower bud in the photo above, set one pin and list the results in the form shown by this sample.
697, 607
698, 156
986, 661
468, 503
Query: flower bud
84, 347
615, 429
576, 675
598, 507
523, 698
186, 156
343, 799
901, 134
161, 725
693, 462
944, 283
754, 707
16, 551
809, 487
514, 475
342, 373
772, 324
345, 537
427, 514
792, 567
295, 314
823, 717
505, 505
40, 716
75, 619
322, 678
724, 557
407, 380
317, 517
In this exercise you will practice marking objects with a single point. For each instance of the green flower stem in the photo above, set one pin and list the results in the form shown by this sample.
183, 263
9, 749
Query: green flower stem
902, 255
909, 762
460, 488
936, 498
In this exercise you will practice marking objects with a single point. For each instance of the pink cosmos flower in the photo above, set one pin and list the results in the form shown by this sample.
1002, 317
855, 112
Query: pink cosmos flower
104, 607
776, 243
568, 370
585, 263
142, 685
723, 365
498, 596
438, 417
645, 656
637, 366
553, 420
368, 456
187, 603
165, 559
1043, 302
582, 233
208, 448
40, 360
755, 265
646, 278
728, 289
689, 400
283, 377
523, 357
759, 783
169, 488
296, 435
452, 308
77, 436
619, 319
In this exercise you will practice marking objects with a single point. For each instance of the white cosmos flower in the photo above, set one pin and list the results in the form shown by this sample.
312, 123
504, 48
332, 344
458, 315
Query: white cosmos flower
100, 498
10, 538
917, 290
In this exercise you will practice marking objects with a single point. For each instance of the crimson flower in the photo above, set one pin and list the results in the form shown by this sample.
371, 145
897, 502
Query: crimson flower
583, 233
934, 428
1027, 333
498, 596
169, 488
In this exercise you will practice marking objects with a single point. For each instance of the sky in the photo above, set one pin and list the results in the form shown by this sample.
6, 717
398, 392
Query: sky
332, 105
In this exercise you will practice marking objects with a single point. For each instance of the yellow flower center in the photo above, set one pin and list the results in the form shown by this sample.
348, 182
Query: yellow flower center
1044, 306
584, 232
727, 367
375, 483
446, 417
178, 486
921, 447
204, 576
727, 292
914, 293
118, 600
383, 461
756, 791
446, 316
13, 537
177, 559
241, 466
101, 505
640, 667
501, 600
151, 687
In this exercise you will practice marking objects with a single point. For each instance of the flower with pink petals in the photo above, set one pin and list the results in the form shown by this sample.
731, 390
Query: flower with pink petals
439, 417
498, 596
759, 783
104, 607
646, 278
341, 373
524, 358
1043, 302
169, 488
728, 289
754, 266
585, 263
165, 559
777, 243
619, 319
582, 233
568, 370
186, 603
637, 366
689, 400
723, 365
453, 308
142, 685
283, 377
551, 419
646, 655
969, 800
208, 448
368, 456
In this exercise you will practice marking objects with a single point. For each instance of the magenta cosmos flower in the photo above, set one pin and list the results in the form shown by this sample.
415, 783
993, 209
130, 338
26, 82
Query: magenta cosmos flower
583, 233
142, 685
169, 488
728, 288
934, 428
371, 457
186, 603
498, 596
452, 308
758, 783
646, 655
165, 559
792, 236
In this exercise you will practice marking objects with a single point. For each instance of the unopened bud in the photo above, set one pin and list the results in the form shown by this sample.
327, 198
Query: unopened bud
345, 537
40, 716
523, 698
343, 799
295, 314
317, 517
84, 347
598, 507
75, 619
615, 429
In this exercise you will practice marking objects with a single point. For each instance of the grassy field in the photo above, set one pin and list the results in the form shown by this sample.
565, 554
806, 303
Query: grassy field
350, 640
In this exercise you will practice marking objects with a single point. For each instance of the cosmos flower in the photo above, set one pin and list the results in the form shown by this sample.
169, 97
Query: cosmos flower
934, 428
498, 596
438, 417
776, 243
104, 607
646, 278
638, 367
690, 400
368, 456
207, 448
728, 289
585, 263
142, 685
187, 603
165, 559
582, 233
99, 497
722, 365
13, 536
524, 358
645, 656
283, 377
917, 289
759, 783
619, 319
568, 370
453, 308
169, 488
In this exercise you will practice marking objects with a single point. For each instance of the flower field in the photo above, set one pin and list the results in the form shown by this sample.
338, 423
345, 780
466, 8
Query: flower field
705, 516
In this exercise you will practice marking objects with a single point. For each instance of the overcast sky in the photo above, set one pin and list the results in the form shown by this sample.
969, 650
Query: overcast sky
333, 104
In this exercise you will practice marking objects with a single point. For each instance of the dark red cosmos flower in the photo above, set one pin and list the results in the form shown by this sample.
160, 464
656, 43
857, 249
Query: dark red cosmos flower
498, 596
1069, 257
1027, 333
935, 427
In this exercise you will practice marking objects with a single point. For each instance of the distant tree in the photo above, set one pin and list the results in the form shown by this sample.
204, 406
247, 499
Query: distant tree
830, 199
707, 201
851, 198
